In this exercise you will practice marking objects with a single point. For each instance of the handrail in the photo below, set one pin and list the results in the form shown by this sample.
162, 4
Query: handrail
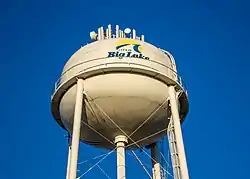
59, 81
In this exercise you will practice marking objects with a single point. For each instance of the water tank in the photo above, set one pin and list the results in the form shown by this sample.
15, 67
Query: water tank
126, 88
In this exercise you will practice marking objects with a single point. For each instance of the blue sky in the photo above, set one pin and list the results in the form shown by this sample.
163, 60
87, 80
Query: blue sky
209, 40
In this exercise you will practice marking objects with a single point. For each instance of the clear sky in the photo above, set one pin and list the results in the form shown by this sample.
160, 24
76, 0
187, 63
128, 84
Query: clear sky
209, 40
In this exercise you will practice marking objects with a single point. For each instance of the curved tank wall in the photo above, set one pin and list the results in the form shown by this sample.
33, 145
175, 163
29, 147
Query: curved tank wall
128, 99
126, 80
94, 56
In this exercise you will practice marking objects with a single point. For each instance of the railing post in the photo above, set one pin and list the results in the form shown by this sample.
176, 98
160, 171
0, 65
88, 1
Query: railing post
181, 81
55, 87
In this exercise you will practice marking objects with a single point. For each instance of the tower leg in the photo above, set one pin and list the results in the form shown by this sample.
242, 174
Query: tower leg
76, 129
178, 134
155, 162
69, 157
69, 154
121, 167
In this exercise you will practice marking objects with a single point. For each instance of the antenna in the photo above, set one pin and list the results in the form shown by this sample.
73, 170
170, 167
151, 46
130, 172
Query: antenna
117, 31
93, 35
127, 31
99, 34
107, 34
120, 34
102, 33
142, 38
134, 34
109, 31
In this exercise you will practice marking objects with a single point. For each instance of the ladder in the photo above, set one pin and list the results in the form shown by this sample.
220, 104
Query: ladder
173, 150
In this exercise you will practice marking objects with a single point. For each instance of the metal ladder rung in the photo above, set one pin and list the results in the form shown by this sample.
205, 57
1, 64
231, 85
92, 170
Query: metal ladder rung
173, 152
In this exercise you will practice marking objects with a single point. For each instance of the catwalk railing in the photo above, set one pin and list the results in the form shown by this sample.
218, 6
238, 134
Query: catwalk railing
104, 65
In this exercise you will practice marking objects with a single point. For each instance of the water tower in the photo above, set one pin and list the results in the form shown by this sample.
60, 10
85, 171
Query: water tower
120, 92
